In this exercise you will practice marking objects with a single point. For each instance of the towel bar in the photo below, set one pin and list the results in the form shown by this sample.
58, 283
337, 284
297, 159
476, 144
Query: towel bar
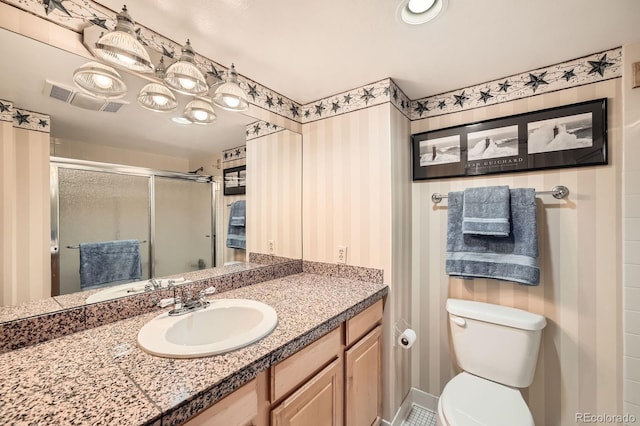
78, 246
558, 192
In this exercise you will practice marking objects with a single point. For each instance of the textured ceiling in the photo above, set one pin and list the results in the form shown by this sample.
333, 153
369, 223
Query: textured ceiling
310, 50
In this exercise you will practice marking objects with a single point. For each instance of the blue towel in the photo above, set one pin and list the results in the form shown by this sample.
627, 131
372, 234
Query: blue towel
512, 258
109, 261
236, 232
486, 211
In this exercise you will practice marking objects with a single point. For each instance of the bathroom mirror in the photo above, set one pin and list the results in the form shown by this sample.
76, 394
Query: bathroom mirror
137, 137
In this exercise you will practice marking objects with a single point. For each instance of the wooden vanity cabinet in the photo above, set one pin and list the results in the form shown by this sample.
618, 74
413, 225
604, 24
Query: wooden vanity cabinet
334, 381
348, 391
307, 387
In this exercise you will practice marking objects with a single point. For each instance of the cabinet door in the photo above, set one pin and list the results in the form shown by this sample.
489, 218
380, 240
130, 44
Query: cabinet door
317, 403
363, 366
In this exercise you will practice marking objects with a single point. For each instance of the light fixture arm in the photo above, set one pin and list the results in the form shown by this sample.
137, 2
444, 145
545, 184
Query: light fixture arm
188, 54
124, 22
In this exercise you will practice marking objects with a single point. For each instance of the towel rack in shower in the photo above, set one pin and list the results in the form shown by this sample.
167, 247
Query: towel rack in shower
558, 192
78, 246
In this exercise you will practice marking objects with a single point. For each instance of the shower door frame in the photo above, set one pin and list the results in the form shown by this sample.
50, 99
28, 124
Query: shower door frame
59, 162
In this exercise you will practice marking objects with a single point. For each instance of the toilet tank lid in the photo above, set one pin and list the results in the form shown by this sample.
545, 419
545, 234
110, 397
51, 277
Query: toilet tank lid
496, 314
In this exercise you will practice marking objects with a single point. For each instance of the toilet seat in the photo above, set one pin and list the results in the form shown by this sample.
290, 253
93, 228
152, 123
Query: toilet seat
469, 400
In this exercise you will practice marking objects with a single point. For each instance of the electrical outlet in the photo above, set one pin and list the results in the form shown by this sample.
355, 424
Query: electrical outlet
341, 254
272, 247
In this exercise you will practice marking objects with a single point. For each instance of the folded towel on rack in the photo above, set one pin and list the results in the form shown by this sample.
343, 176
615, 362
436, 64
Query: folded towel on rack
109, 261
236, 232
486, 211
512, 258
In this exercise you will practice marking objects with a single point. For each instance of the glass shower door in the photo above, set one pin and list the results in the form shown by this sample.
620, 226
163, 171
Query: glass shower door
97, 206
183, 237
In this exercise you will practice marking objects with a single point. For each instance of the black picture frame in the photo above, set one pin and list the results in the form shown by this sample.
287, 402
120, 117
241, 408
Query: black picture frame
235, 180
568, 136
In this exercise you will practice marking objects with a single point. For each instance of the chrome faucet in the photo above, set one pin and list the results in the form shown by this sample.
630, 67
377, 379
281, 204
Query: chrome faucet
153, 284
191, 305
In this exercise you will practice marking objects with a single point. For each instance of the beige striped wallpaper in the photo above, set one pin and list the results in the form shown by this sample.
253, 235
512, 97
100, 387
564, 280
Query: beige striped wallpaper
347, 188
357, 193
398, 367
25, 270
108, 154
580, 363
274, 194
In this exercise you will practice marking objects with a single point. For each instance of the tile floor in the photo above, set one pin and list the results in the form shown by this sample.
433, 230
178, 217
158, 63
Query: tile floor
420, 416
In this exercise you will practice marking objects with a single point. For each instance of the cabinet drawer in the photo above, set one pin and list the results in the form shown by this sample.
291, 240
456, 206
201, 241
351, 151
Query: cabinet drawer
239, 408
299, 367
366, 320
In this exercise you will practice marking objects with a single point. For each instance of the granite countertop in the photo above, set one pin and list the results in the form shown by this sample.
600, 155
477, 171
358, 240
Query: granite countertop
100, 376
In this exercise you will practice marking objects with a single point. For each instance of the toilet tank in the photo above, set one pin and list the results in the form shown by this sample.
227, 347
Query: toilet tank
495, 342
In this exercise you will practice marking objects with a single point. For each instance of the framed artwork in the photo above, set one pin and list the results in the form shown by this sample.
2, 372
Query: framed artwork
235, 180
568, 136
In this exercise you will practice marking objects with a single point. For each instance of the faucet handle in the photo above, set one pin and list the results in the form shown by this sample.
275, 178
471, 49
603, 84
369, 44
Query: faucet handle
207, 291
166, 302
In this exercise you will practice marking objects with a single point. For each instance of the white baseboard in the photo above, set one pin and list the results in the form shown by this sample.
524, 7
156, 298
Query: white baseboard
415, 396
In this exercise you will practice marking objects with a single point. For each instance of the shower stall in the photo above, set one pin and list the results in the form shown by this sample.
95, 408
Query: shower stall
171, 214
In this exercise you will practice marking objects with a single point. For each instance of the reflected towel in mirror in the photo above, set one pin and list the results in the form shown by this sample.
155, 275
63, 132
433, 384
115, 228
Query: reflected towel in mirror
109, 261
236, 233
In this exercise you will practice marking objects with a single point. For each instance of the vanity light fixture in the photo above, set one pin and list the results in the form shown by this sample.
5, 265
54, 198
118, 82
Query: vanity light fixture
417, 12
184, 76
200, 111
229, 95
99, 80
121, 46
155, 96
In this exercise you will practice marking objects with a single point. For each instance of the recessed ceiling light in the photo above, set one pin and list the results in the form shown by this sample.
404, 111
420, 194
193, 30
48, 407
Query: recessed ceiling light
420, 6
417, 12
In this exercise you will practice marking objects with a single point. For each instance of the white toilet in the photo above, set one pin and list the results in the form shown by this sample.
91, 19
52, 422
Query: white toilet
497, 347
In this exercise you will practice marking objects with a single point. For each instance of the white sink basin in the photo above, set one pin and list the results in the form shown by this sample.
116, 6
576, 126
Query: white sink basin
130, 289
223, 326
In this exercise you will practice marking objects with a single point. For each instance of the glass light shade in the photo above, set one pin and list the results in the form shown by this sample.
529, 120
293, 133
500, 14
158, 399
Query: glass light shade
99, 80
121, 46
156, 97
200, 111
184, 76
229, 95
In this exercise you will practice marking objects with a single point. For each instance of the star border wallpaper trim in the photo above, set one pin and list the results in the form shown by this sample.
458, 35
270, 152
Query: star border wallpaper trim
261, 128
24, 119
76, 14
577, 72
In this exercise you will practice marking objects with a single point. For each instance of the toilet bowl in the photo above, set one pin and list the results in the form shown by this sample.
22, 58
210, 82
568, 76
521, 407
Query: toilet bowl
468, 400
497, 349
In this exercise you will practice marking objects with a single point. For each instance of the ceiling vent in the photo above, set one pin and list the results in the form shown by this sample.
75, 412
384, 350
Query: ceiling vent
80, 99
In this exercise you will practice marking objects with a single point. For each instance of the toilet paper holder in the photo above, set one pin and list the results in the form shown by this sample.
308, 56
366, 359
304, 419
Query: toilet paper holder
399, 327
